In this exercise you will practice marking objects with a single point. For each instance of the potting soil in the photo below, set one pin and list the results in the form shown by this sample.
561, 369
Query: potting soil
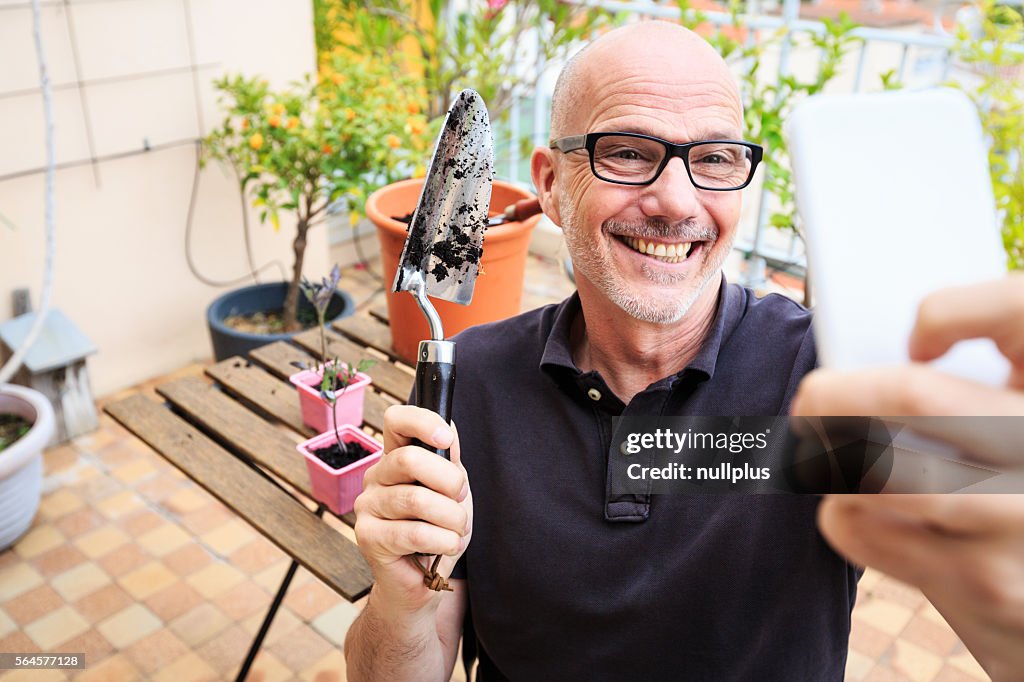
337, 457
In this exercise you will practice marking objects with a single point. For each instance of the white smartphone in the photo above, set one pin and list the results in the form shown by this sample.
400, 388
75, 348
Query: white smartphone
895, 200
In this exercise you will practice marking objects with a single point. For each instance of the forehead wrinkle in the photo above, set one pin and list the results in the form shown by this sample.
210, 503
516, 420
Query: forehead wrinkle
700, 106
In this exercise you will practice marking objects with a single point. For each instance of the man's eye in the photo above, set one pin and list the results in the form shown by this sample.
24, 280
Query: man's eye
625, 154
714, 158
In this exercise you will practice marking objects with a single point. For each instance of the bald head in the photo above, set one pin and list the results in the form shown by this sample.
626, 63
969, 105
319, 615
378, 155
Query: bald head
644, 50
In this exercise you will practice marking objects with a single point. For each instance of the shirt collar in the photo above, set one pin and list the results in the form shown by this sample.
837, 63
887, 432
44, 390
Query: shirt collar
557, 354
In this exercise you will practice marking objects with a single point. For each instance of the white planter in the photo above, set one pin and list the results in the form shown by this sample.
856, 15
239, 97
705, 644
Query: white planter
21, 464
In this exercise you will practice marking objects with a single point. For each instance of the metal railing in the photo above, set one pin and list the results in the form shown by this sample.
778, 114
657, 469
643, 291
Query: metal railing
766, 244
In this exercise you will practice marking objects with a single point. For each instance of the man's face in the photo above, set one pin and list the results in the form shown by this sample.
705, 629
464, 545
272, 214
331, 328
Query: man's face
604, 223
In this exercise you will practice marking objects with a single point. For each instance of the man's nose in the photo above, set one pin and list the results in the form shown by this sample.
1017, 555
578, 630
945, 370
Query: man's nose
672, 196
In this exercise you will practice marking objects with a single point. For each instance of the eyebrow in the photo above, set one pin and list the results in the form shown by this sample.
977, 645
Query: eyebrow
706, 135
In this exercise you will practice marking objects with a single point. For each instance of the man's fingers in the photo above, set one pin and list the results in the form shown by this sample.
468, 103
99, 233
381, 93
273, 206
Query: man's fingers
884, 540
404, 423
955, 515
993, 309
413, 502
390, 539
411, 464
907, 391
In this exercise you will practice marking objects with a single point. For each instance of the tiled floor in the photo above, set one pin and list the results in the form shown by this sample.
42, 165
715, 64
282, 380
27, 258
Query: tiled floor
131, 563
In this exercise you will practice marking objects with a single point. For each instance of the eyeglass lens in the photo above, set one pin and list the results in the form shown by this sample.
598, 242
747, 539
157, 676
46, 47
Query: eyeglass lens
713, 165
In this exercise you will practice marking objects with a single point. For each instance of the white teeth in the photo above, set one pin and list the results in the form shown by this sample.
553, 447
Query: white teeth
668, 253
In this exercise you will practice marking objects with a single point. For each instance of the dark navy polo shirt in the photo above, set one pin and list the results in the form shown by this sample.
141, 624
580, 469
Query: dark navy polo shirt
568, 582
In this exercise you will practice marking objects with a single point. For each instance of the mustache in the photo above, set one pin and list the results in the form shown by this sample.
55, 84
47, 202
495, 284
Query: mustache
684, 231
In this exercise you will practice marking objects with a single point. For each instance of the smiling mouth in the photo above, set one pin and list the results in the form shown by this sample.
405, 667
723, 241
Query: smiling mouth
665, 252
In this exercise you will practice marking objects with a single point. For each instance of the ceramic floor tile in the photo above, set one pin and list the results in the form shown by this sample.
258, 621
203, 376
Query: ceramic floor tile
124, 559
173, 601
141, 522
930, 636
312, 599
284, 622
101, 541
119, 504
333, 623
129, 625
215, 579
59, 560
896, 592
914, 662
857, 666
199, 624
256, 556
80, 581
188, 668
56, 627
116, 668
883, 673
966, 663
19, 641
270, 577
186, 560
79, 522
164, 539
59, 458
242, 600
59, 503
91, 643
301, 648
134, 471
950, 673
330, 668
7, 624
147, 580
18, 579
32, 604
104, 602
38, 540
228, 537
186, 500
156, 650
227, 650
268, 668
885, 616
41, 675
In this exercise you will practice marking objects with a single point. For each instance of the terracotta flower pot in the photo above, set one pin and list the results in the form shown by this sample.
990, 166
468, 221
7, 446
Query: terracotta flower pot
499, 286
338, 488
316, 412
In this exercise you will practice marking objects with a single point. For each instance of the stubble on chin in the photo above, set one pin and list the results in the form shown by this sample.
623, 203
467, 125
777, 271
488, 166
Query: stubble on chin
595, 262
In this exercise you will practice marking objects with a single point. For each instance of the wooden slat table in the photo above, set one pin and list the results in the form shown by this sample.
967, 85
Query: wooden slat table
234, 433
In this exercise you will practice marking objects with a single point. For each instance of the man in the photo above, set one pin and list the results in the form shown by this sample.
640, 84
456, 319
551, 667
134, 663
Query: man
564, 579
965, 552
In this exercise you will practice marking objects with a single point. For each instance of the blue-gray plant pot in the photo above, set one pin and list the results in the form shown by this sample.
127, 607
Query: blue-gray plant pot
228, 342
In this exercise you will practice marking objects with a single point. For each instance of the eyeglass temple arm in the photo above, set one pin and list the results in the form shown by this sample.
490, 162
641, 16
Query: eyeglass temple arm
569, 144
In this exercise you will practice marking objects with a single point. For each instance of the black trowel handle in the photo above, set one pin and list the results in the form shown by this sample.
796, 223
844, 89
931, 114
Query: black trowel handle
435, 382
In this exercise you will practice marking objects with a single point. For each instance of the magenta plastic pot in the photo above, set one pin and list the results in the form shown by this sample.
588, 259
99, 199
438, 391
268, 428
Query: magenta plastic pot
316, 412
338, 488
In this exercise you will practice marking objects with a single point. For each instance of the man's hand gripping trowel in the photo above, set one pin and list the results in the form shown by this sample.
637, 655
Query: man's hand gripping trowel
442, 253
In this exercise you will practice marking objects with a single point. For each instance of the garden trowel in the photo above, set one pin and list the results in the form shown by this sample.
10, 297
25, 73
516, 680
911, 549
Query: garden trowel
442, 253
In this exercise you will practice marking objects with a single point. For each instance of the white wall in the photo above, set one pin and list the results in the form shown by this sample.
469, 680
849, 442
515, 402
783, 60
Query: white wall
121, 273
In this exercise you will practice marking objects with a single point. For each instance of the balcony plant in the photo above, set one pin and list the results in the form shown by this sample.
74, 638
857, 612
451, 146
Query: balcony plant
312, 144
329, 391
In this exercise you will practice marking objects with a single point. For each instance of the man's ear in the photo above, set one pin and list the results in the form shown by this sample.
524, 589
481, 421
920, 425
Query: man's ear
542, 172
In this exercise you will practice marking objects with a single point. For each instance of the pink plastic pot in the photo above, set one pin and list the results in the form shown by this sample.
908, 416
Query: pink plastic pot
338, 488
316, 412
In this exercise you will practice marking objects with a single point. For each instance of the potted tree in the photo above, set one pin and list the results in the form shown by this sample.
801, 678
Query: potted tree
500, 49
296, 151
27, 424
329, 389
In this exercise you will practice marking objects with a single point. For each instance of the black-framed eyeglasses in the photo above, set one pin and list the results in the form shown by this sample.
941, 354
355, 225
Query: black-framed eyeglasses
635, 159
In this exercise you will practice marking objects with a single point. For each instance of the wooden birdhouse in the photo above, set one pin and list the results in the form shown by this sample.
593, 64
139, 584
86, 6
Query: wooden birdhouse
55, 366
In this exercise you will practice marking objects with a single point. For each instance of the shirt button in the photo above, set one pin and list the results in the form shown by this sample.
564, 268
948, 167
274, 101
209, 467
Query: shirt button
594, 394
